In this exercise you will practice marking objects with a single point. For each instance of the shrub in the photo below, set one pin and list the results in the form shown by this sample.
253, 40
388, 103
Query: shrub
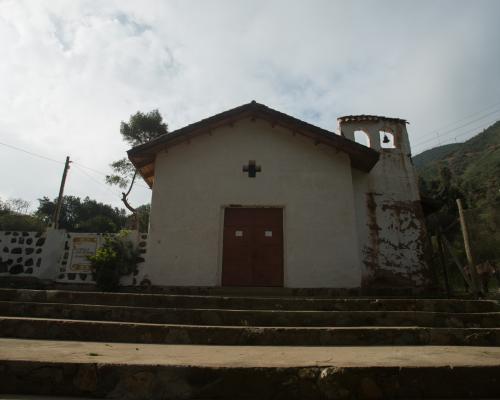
116, 258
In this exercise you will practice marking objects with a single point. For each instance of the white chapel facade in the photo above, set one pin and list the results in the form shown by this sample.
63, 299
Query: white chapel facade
255, 197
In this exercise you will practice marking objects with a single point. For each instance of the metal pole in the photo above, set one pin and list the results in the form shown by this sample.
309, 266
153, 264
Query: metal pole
57, 212
468, 249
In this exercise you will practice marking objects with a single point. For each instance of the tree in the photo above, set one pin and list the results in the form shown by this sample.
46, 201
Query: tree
143, 215
14, 217
4, 207
19, 206
20, 222
85, 215
141, 128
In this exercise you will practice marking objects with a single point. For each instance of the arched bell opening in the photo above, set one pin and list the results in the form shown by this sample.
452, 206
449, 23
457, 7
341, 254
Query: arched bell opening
362, 137
387, 140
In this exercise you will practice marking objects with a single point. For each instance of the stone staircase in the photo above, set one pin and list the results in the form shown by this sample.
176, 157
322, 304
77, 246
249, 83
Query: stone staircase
219, 345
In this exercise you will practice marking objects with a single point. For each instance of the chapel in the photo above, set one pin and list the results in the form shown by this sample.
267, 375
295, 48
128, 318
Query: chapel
255, 197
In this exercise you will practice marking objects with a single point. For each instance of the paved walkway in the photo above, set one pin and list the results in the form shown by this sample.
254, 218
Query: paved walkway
246, 356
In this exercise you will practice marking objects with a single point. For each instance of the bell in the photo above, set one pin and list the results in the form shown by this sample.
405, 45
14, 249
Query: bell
386, 139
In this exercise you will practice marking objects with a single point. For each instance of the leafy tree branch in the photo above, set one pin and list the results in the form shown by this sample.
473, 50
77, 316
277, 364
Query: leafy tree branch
141, 128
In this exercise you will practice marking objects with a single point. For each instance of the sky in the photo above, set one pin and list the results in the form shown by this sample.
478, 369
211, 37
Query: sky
71, 71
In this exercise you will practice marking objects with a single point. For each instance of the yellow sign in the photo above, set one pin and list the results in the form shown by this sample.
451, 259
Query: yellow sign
82, 247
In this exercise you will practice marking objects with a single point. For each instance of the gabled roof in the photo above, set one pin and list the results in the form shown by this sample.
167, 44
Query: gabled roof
143, 156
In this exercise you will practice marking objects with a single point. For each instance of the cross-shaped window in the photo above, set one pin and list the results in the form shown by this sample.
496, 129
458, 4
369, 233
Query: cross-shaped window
252, 169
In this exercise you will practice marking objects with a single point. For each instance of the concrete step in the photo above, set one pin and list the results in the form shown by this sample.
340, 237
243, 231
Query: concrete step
10, 396
63, 329
225, 317
135, 371
249, 303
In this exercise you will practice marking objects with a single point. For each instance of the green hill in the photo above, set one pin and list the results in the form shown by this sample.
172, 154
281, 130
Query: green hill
474, 166
434, 154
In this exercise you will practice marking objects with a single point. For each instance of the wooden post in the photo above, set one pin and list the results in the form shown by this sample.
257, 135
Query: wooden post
451, 252
443, 264
57, 211
468, 250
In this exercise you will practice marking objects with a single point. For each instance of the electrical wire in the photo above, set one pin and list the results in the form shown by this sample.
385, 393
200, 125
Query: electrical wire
59, 162
96, 181
445, 133
472, 130
458, 121
104, 174
31, 153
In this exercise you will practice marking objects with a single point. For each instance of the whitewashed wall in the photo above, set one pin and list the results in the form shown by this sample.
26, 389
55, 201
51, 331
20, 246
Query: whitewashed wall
390, 222
57, 255
311, 182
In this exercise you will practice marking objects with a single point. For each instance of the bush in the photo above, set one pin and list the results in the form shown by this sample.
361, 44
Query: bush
116, 258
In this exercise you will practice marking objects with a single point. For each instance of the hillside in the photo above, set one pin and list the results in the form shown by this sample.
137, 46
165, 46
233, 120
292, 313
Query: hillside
423, 159
474, 165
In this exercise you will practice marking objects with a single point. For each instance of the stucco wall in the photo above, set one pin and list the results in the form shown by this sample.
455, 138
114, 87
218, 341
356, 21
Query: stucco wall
390, 224
195, 180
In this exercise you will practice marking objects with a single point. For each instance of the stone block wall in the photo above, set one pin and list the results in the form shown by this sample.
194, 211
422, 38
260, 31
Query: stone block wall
57, 255
21, 252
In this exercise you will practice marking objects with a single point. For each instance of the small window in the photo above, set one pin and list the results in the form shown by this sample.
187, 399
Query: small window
387, 140
362, 137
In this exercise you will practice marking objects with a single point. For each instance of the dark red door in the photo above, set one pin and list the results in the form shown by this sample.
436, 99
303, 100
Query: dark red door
252, 247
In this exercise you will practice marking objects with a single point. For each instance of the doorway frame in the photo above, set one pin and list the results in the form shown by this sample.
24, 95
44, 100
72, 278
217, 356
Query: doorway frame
220, 251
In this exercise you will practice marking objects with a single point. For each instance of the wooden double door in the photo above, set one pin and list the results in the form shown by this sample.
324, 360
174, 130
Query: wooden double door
252, 247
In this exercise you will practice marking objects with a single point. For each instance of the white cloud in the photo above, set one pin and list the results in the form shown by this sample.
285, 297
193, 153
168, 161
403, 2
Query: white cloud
72, 71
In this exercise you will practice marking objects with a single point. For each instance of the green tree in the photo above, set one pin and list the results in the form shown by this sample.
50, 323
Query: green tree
18, 205
20, 222
14, 217
141, 128
85, 215
143, 215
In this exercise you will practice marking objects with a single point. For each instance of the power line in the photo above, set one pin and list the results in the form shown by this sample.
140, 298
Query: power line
31, 153
96, 181
460, 120
104, 174
91, 169
466, 132
445, 133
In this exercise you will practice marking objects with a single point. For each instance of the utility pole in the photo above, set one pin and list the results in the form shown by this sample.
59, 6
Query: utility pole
57, 211
468, 250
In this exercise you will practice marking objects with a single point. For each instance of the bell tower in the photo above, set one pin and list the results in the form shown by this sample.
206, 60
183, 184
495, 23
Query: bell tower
390, 223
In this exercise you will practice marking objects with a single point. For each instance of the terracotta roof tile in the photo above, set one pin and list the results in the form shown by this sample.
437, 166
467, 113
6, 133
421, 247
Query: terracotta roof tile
374, 118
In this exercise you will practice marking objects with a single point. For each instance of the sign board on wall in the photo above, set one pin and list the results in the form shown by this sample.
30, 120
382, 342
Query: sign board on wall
81, 248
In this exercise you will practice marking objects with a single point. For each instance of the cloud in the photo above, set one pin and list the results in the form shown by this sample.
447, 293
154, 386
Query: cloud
73, 70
